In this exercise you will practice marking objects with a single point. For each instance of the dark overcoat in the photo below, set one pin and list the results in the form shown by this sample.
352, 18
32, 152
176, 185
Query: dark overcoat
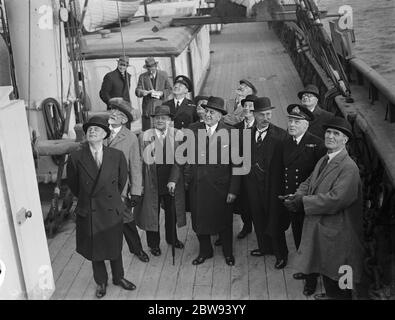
332, 229
99, 210
184, 115
209, 184
114, 85
321, 117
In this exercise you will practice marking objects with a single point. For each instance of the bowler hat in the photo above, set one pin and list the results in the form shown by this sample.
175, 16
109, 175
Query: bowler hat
340, 124
163, 110
185, 81
150, 62
262, 104
249, 84
250, 98
98, 122
121, 105
310, 88
300, 112
215, 103
124, 59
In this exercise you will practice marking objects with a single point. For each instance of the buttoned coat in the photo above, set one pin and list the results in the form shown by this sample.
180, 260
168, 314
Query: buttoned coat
332, 228
184, 115
99, 210
162, 83
127, 142
146, 213
321, 117
114, 85
209, 184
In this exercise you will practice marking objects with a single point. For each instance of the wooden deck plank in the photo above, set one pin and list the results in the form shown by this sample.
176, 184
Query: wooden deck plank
81, 282
57, 243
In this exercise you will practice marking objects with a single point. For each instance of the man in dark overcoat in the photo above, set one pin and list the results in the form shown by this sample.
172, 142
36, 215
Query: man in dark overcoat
183, 109
331, 198
123, 139
212, 184
301, 152
309, 98
264, 185
96, 175
154, 87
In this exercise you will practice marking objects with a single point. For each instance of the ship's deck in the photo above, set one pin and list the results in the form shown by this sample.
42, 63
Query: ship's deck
249, 51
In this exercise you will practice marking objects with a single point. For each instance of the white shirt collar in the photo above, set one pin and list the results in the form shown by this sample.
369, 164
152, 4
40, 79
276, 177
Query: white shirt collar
160, 134
100, 151
212, 128
299, 138
116, 130
180, 101
333, 154
249, 124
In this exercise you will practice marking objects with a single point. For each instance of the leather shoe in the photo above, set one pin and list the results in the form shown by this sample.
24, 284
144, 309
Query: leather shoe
259, 253
218, 242
323, 296
126, 284
299, 276
281, 263
230, 261
156, 251
200, 259
243, 233
101, 290
142, 256
178, 244
310, 287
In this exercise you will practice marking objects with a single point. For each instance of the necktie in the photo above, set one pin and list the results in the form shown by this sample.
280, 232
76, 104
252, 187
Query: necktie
259, 138
112, 135
178, 104
209, 131
97, 160
295, 142
323, 164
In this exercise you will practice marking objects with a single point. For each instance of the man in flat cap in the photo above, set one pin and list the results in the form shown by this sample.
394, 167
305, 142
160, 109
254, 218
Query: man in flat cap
126, 141
183, 109
331, 198
163, 181
309, 98
301, 152
116, 83
97, 175
263, 187
154, 87
234, 107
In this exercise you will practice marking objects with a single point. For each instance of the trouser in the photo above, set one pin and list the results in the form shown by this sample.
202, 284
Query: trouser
132, 237
145, 122
332, 289
275, 244
100, 272
246, 218
153, 237
206, 248
297, 227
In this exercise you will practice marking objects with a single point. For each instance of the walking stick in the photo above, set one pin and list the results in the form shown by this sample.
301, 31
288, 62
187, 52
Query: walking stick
173, 226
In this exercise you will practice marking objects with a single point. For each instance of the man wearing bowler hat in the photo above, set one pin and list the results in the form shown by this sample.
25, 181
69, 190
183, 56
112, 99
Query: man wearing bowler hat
116, 84
183, 109
234, 107
126, 141
309, 98
163, 181
331, 198
154, 87
212, 184
97, 175
301, 152
263, 186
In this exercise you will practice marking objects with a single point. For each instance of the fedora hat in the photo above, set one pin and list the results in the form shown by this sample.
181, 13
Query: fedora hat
215, 103
340, 124
250, 98
121, 105
163, 110
124, 59
310, 88
299, 112
98, 122
150, 62
262, 104
249, 84
185, 81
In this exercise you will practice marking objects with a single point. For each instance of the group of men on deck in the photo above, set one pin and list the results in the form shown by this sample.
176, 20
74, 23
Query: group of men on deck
301, 176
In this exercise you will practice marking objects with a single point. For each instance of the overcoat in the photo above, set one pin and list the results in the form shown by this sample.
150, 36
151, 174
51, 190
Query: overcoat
146, 213
161, 83
332, 229
209, 184
127, 142
114, 85
184, 115
99, 210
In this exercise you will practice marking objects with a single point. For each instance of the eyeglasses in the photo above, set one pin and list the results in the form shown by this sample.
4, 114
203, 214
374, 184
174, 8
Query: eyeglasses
308, 95
123, 64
